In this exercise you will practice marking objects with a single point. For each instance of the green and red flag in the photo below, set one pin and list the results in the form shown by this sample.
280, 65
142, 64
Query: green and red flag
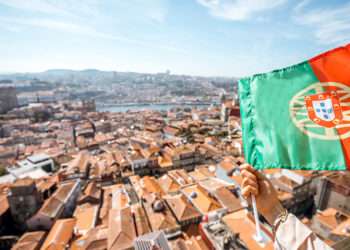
299, 117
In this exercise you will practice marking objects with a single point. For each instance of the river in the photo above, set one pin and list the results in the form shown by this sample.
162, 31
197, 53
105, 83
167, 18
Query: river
159, 107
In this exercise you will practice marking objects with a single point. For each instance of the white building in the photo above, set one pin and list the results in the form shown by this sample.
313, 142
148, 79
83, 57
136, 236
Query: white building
35, 167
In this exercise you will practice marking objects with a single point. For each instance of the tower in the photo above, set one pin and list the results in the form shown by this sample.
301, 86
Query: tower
8, 99
24, 200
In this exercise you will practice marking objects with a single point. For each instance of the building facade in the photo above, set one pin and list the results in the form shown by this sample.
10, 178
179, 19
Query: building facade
8, 99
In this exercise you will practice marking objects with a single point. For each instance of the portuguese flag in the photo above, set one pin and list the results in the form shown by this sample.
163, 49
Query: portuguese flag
299, 117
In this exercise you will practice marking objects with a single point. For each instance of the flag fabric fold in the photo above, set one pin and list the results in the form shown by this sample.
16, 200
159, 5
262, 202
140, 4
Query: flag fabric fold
299, 117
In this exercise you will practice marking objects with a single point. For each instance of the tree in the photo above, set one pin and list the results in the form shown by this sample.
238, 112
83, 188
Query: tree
3, 170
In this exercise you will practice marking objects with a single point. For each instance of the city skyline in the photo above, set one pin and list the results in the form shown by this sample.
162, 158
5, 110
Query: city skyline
198, 37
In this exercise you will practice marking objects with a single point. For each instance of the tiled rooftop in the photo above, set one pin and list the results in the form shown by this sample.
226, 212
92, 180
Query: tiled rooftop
121, 230
201, 199
60, 234
119, 202
30, 241
182, 208
242, 223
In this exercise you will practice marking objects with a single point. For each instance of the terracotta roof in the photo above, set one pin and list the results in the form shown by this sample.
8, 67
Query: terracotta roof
165, 161
182, 208
200, 199
80, 163
142, 226
162, 219
52, 207
147, 185
341, 181
208, 171
181, 177
94, 239
228, 104
91, 192
136, 156
64, 190
283, 196
196, 243
121, 230
343, 229
211, 184
228, 199
284, 182
120, 198
119, 157
171, 130
30, 241
150, 151
59, 235
171, 152
193, 243
107, 202
241, 223
185, 151
228, 164
134, 180
237, 179
23, 182
86, 218
210, 148
45, 184
110, 158
197, 175
331, 217
168, 184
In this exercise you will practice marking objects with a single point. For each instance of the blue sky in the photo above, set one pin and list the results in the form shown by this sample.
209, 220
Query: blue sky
197, 37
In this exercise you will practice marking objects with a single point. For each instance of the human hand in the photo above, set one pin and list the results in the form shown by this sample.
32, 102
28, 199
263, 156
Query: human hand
255, 183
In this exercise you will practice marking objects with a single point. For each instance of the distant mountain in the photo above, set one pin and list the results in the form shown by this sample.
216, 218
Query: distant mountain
64, 76
97, 76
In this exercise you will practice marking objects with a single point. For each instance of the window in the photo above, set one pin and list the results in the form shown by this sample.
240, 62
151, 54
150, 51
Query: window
47, 167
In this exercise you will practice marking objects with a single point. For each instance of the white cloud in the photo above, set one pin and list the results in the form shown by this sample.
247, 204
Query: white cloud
329, 25
42, 6
55, 7
238, 10
301, 5
157, 15
77, 29
153, 10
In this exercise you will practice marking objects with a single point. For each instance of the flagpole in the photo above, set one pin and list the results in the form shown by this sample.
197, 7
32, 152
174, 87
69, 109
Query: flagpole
258, 237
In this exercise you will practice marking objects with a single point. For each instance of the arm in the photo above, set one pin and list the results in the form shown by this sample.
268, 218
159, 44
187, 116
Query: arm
294, 233
289, 233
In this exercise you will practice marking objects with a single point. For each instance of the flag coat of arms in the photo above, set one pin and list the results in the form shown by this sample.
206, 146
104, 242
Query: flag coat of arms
299, 117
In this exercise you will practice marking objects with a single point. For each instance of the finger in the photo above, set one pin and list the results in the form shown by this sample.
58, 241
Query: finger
249, 182
252, 170
248, 191
248, 175
247, 167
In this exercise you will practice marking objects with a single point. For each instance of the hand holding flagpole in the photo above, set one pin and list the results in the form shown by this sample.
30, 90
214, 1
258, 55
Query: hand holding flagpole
252, 187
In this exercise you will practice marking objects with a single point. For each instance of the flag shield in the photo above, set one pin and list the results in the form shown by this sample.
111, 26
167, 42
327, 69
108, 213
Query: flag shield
324, 109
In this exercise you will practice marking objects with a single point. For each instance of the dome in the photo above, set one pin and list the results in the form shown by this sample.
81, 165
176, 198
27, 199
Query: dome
193, 195
158, 206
